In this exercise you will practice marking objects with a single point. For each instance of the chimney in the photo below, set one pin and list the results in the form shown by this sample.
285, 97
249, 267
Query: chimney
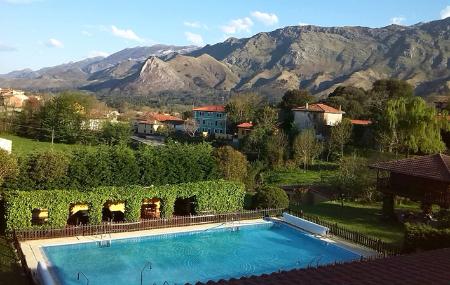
307, 106
340, 108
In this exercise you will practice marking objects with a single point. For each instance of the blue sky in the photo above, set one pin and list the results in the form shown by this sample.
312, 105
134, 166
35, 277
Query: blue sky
39, 33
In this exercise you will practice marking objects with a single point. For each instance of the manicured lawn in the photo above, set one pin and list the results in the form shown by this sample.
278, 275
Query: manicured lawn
316, 175
364, 218
24, 146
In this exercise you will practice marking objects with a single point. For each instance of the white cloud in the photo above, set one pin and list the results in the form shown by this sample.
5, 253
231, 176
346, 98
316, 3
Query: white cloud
95, 53
5, 48
445, 13
126, 34
267, 19
87, 34
196, 39
398, 20
54, 43
238, 25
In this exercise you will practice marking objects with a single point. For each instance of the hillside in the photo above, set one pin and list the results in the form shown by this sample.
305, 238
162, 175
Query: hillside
311, 57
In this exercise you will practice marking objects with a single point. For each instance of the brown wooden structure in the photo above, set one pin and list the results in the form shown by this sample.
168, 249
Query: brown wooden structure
424, 179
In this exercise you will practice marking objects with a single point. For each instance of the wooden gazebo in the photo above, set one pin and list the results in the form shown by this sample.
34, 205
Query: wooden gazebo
424, 179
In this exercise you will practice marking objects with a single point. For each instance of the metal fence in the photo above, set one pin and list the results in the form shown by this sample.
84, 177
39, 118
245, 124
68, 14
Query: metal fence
118, 227
378, 245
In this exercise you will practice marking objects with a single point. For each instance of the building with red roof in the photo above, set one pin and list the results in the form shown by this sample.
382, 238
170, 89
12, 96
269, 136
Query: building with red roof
211, 120
317, 116
244, 129
149, 123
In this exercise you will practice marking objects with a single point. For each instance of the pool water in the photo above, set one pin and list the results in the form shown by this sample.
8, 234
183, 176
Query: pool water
193, 256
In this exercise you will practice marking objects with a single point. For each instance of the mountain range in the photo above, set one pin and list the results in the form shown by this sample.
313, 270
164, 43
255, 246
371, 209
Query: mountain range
312, 57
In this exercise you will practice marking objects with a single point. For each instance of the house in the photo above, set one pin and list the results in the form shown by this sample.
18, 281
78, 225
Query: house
11, 98
319, 117
150, 123
211, 119
97, 118
244, 129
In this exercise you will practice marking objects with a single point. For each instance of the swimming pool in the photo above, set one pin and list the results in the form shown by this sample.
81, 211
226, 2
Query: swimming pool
189, 257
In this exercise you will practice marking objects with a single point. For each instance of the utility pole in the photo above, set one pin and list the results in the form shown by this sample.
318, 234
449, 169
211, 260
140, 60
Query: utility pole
53, 135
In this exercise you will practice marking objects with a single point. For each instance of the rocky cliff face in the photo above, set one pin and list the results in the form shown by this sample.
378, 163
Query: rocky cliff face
316, 58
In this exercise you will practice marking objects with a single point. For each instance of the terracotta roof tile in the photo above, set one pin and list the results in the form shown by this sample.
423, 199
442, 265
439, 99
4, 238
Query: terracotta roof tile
361, 122
318, 107
159, 117
245, 125
212, 108
429, 267
435, 167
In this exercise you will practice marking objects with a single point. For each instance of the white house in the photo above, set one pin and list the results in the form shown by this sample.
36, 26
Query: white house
319, 117
151, 122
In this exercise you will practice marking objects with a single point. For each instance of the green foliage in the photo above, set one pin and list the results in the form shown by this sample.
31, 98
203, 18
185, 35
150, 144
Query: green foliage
409, 125
231, 163
271, 197
243, 107
306, 148
211, 196
276, 149
340, 136
295, 98
353, 100
9, 167
115, 133
424, 237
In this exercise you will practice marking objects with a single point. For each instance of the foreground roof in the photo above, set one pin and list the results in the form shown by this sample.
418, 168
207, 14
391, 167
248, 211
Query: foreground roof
434, 167
212, 108
361, 122
318, 107
429, 267
150, 117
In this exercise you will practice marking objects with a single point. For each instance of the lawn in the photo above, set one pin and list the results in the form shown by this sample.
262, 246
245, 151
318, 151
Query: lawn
24, 146
364, 218
285, 176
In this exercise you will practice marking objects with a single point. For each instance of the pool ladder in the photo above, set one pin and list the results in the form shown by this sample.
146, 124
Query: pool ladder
104, 242
84, 275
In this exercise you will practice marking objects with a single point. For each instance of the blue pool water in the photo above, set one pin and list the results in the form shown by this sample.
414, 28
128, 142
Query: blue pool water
196, 256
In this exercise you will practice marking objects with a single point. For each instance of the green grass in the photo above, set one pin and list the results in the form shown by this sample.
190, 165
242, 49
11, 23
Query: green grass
364, 218
316, 175
24, 146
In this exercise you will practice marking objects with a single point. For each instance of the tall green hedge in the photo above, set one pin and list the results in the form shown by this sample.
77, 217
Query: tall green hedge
211, 196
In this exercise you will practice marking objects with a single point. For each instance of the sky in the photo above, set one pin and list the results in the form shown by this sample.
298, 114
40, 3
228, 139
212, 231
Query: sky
40, 33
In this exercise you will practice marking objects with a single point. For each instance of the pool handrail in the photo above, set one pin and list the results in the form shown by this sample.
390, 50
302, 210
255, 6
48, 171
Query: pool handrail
78, 277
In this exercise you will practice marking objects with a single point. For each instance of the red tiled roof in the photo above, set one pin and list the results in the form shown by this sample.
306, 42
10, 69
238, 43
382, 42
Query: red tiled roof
245, 125
434, 167
428, 267
361, 122
212, 108
319, 107
159, 117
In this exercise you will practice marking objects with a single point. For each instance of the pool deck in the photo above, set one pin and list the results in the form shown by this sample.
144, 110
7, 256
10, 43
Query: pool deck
32, 249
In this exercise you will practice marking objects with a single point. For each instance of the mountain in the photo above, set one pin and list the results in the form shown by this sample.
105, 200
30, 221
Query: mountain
77, 74
311, 57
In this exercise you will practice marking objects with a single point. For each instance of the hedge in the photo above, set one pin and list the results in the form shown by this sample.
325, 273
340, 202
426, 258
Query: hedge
211, 196
425, 237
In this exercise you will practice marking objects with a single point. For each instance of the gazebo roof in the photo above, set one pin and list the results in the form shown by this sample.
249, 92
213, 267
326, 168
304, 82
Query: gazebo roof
433, 167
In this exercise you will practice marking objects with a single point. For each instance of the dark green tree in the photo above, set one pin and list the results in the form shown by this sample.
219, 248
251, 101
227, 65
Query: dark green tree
231, 163
116, 133
271, 197
353, 100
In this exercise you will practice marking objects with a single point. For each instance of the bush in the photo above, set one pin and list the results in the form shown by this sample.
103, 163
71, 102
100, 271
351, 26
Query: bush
231, 163
271, 197
9, 167
424, 237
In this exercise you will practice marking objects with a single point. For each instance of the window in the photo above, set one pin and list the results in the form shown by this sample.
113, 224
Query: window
204, 122
216, 123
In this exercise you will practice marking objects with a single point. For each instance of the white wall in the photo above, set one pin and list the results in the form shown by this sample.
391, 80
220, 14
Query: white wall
6, 145
332, 119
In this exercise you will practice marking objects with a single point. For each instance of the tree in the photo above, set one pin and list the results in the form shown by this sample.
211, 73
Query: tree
276, 148
48, 170
190, 127
408, 125
29, 121
9, 168
388, 89
116, 133
271, 197
355, 101
243, 107
231, 163
291, 99
306, 148
340, 135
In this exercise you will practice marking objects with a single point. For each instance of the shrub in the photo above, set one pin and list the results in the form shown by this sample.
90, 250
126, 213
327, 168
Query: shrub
47, 169
231, 163
271, 197
9, 167
425, 237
